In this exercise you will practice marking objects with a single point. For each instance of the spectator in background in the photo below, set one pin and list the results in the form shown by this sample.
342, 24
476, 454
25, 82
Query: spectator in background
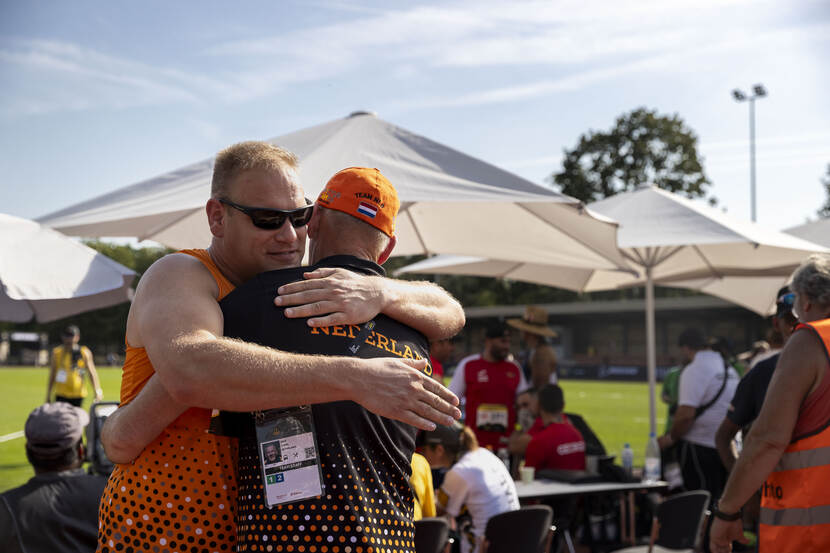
751, 390
558, 446
477, 485
528, 421
749, 397
70, 363
669, 393
440, 352
57, 510
538, 361
489, 383
421, 484
706, 385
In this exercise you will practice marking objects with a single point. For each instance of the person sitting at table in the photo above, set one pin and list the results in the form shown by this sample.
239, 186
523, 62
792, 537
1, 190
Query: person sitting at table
558, 445
528, 422
477, 485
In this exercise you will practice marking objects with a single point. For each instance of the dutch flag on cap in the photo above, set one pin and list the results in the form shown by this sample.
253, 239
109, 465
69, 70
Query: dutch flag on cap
367, 209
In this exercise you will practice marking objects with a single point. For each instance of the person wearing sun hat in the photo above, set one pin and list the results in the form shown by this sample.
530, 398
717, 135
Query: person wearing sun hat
539, 359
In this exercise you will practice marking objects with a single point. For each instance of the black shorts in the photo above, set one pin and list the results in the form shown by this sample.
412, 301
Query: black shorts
76, 401
702, 468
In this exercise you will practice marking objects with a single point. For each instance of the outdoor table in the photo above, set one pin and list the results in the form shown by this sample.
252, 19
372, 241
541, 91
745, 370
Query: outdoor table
544, 489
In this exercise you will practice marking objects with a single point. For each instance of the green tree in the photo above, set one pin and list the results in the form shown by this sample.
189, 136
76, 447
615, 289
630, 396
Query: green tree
643, 147
825, 181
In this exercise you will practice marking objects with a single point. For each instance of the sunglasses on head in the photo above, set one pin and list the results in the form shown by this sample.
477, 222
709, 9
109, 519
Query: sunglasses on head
272, 219
787, 299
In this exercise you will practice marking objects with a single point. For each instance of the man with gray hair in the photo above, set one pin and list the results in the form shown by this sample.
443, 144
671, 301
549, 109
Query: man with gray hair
786, 452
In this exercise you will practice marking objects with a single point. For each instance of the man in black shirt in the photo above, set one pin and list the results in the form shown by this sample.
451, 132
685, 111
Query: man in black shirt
366, 501
57, 510
749, 395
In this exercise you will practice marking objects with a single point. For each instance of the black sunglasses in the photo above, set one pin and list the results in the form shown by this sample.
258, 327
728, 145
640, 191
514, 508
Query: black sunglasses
272, 219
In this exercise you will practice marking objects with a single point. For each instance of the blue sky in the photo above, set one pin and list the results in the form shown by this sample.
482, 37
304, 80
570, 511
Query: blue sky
99, 95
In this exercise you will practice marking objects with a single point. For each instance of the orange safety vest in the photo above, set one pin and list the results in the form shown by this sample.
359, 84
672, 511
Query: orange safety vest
795, 499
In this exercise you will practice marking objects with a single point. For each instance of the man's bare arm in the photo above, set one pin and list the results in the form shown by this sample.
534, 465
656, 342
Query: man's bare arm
683, 420
93, 374
175, 316
133, 426
542, 365
334, 296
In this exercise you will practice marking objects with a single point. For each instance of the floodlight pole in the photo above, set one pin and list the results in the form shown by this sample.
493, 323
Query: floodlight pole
758, 91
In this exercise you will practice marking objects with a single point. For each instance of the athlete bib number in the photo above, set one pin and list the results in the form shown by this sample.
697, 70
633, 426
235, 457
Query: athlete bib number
288, 455
491, 417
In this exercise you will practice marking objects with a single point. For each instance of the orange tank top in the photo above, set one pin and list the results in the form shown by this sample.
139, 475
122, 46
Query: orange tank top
180, 493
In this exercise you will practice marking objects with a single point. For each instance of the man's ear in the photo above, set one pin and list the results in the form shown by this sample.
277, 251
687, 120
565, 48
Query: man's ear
314, 222
216, 217
387, 251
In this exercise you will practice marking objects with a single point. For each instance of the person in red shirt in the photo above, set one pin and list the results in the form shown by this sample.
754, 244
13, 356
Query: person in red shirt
559, 445
439, 352
489, 383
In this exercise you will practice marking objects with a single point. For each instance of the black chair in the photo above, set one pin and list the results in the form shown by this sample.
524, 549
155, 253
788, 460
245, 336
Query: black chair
97, 457
526, 530
431, 535
677, 524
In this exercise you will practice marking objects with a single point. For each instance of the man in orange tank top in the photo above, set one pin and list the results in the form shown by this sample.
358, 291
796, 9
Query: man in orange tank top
786, 452
179, 493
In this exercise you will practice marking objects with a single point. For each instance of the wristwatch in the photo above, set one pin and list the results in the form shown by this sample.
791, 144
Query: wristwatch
729, 517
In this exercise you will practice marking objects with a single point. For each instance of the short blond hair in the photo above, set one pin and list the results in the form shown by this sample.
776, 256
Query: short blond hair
244, 156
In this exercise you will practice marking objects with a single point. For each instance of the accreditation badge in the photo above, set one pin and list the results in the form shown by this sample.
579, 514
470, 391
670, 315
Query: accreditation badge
61, 376
289, 459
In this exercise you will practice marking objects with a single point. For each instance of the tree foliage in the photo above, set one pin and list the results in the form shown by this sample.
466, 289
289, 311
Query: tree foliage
643, 147
825, 181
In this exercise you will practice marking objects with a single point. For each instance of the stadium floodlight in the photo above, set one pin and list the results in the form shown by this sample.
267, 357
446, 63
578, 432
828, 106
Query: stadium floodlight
758, 91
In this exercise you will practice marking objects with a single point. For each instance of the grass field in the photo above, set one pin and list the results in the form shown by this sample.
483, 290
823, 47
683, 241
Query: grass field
617, 411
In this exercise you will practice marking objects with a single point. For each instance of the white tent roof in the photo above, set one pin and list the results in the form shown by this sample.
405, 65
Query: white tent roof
450, 202
816, 231
46, 275
701, 248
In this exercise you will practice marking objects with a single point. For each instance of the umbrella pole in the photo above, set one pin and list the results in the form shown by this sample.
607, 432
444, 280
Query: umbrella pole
651, 352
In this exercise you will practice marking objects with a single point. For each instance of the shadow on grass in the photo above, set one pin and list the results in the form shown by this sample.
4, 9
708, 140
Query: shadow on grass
9, 466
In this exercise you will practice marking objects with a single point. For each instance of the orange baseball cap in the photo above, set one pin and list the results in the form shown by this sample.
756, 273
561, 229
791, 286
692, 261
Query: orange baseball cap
363, 193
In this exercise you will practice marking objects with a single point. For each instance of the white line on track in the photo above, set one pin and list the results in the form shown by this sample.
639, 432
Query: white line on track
12, 436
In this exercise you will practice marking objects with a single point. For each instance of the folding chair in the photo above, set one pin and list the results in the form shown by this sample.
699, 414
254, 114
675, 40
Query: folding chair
676, 528
526, 530
432, 535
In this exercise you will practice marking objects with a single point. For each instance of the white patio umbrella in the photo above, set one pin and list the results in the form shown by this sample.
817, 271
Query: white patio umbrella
48, 276
815, 231
674, 241
450, 202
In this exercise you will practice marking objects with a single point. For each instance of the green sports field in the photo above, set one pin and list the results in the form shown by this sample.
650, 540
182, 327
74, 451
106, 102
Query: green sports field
617, 411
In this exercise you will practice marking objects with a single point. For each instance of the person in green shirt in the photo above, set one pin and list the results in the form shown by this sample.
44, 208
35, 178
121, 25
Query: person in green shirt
669, 394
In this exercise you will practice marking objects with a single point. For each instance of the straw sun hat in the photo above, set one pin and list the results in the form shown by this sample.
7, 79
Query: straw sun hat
535, 321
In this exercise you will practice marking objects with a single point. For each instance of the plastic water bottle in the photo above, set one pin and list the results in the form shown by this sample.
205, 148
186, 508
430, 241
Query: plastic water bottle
627, 460
504, 455
652, 469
